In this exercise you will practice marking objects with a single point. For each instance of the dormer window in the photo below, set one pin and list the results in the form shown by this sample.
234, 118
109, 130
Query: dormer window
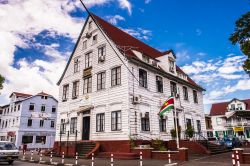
145, 59
171, 65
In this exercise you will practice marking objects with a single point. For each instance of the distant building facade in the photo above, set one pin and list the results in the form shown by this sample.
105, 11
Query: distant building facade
231, 118
29, 119
99, 98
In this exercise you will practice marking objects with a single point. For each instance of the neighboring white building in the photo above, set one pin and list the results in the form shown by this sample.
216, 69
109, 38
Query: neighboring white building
100, 98
29, 119
231, 118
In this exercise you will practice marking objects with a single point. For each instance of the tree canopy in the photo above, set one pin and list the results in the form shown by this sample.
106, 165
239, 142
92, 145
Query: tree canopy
241, 36
2, 79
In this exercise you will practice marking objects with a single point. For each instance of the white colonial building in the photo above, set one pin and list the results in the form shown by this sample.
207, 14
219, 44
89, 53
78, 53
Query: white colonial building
231, 118
29, 119
114, 86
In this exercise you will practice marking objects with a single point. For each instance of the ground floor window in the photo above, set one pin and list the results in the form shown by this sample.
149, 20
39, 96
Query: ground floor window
73, 123
162, 123
27, 139
116, 120
63, 126
41, 139
100, 122
145, 125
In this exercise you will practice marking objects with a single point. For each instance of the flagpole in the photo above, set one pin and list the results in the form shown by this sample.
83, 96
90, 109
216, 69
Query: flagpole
176, 129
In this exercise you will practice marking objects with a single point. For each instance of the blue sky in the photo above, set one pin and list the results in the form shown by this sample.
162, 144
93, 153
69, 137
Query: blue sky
39, 41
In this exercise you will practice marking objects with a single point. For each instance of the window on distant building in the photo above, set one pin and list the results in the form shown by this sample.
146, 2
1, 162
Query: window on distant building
185, 93
198, 122
75, 90
145, 125
239, 106
100, 122
159, 84
162, 123
101, 53
6, 123
32, 107
88, 60
29, 122
63, 126
15, 108
52, 124
94, 41
13, 122
65, 92
76, 65
41, 123
53, 109
116, 76
101, 80
84, 45
195, 96
41, 139
18, 107
87, 85
142, 78
188, 122
73, 125
43, 108
116, 123
173, 89
27, 139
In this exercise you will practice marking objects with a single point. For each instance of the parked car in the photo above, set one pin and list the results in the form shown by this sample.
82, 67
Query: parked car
8, 152
228, 143
236, 143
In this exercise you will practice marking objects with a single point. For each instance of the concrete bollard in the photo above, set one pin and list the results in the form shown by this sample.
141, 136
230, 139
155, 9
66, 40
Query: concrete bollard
24, 155
237, 158
76, 158
31, 157
111, 160
92, 162
41, 157
233, 160
169, 157
51, 157
140, 158
62, 157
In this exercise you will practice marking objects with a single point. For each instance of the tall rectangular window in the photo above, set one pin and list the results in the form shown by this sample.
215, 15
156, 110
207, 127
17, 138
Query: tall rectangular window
100, 122
41, 123
188, 122
116, 76
171, 65
53, 109
173, 88
87, 85
101, 53
101, 80
116, 121
73, 125
198, 125
185, 93
76, 65
143, 78
88, 60
63, 126
159, 84
32, 107
29, 123
65, 92
52, 124
94, 41
195, 96
75, 90
43, 108
162, 123
84, 45
145, 125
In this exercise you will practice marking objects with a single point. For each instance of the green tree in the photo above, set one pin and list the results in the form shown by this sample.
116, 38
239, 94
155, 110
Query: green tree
241, 36
2, 79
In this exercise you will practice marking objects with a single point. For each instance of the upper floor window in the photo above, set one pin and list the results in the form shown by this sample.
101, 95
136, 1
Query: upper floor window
171, 65
29, 122
32, 107
53, 109
195, 96
116, 121
18, 107
52, 124
94, 40
73, 125
162, 123
88, 60
75, 90
43, 108
87, 85
145, 58
145, 124
76, 65
159, 84
185, 93
84, 45
142, 78
100, 122
41, 123
173, 88
101, 80
101, 53
90, 25
65, 92
116, 76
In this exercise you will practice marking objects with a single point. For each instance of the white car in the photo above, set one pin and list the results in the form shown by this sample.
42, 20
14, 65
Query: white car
8, 152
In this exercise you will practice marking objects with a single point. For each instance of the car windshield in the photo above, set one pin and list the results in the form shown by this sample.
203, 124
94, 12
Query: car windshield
7, 146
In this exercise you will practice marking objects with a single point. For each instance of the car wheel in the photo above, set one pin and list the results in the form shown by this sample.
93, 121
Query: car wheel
10, 162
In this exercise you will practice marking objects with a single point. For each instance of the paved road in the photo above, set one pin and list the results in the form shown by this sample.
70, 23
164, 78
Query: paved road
20, 163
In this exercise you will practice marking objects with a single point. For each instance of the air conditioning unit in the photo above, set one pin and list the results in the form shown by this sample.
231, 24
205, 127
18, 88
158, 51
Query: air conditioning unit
101, 58
136, 99
88, 35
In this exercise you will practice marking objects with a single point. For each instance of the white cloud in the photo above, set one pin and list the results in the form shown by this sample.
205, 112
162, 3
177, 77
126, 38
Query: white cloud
139, 33
147, 1
125, 4
114, 19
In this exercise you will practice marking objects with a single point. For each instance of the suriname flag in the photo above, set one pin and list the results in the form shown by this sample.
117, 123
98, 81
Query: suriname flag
168, 105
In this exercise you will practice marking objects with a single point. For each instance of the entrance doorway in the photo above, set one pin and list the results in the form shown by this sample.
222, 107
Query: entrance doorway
85, 127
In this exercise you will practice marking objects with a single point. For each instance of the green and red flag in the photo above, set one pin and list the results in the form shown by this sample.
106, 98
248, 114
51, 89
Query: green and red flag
168, 105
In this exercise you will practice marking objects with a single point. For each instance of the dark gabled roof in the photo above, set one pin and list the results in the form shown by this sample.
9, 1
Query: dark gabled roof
221, 108
18, 94
121, 39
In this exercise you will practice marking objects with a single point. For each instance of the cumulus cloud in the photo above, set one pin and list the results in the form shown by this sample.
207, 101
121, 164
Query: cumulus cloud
125, 4
114, 19
139, 33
